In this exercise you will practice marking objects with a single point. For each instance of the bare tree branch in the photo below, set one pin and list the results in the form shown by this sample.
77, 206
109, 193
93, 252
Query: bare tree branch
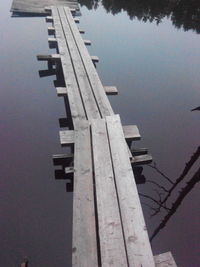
189, 186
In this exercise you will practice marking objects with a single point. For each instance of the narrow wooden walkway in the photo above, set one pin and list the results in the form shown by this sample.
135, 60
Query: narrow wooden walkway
108, 223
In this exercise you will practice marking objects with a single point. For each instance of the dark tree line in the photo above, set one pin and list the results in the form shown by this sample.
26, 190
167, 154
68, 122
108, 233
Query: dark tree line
184, 14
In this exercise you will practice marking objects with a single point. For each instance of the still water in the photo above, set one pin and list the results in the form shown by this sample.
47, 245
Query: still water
150, 51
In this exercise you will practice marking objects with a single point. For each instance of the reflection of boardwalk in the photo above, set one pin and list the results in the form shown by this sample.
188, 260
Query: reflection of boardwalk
108, 223
37, 6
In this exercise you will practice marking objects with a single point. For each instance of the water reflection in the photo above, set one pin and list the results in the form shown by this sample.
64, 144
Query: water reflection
184, 14
163, 199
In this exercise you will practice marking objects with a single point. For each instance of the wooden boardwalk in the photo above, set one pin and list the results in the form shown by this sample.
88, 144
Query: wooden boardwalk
108, 223
37, 7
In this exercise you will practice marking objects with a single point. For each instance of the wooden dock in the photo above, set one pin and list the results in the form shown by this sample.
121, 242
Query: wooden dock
108, 223
37, 7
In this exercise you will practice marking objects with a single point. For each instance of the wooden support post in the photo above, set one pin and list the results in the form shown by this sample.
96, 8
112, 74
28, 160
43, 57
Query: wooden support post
51, 30
62, 159
81, 31
87, 42
111, 90
67, 137
131, 132
49, 19
61, 91
77, 20
95, 59
53, 57
141, 160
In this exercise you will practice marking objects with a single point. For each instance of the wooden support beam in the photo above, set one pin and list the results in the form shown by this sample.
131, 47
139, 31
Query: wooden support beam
51, 30
69, 170
141, 160
87, 42
95, 59
77, 20
131, 132
61, 91
111, 90
165, 260
52, 40
48, 9
81, 31
64, 122
62, 159
139, 151
53, 57
49, 19
46, 73
67, 137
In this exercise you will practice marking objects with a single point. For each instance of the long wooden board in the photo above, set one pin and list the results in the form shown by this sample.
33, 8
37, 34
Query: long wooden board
91, 107
111, 238
75, 101
135, 231
84, 251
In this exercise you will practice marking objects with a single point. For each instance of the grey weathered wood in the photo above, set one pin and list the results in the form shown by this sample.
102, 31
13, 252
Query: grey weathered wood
87, 42
97, 87
110, 229
139, 151
165, 260
84, 251
95, 59
52, 40
53, 57
76, 20
111, 90
49, 19
141, 160
81, 31
75, 101
61, 91
69, 170
135, 232
67, 137
87, 96
51, 30
131, 132
38, 7
60, 159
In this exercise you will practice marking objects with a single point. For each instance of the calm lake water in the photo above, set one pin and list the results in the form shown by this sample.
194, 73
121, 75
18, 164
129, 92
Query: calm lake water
156, 70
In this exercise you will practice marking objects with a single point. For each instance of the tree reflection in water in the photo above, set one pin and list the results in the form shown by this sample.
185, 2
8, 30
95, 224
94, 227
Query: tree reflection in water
184, 14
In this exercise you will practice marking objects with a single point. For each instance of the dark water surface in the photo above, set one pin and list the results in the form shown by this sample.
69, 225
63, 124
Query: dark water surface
156, 70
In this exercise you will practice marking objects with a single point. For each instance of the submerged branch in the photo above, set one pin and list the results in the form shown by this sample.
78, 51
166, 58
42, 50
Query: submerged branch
195, 179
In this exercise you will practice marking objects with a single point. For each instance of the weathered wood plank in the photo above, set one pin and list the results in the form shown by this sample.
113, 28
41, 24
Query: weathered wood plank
110, 229
75, 101
62, 159
67, 137
95, 59
84, 252
38, 7
97, 87
61, 91
89, 102
165, 260
135, 232
131, 132
141, 159
111, 90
